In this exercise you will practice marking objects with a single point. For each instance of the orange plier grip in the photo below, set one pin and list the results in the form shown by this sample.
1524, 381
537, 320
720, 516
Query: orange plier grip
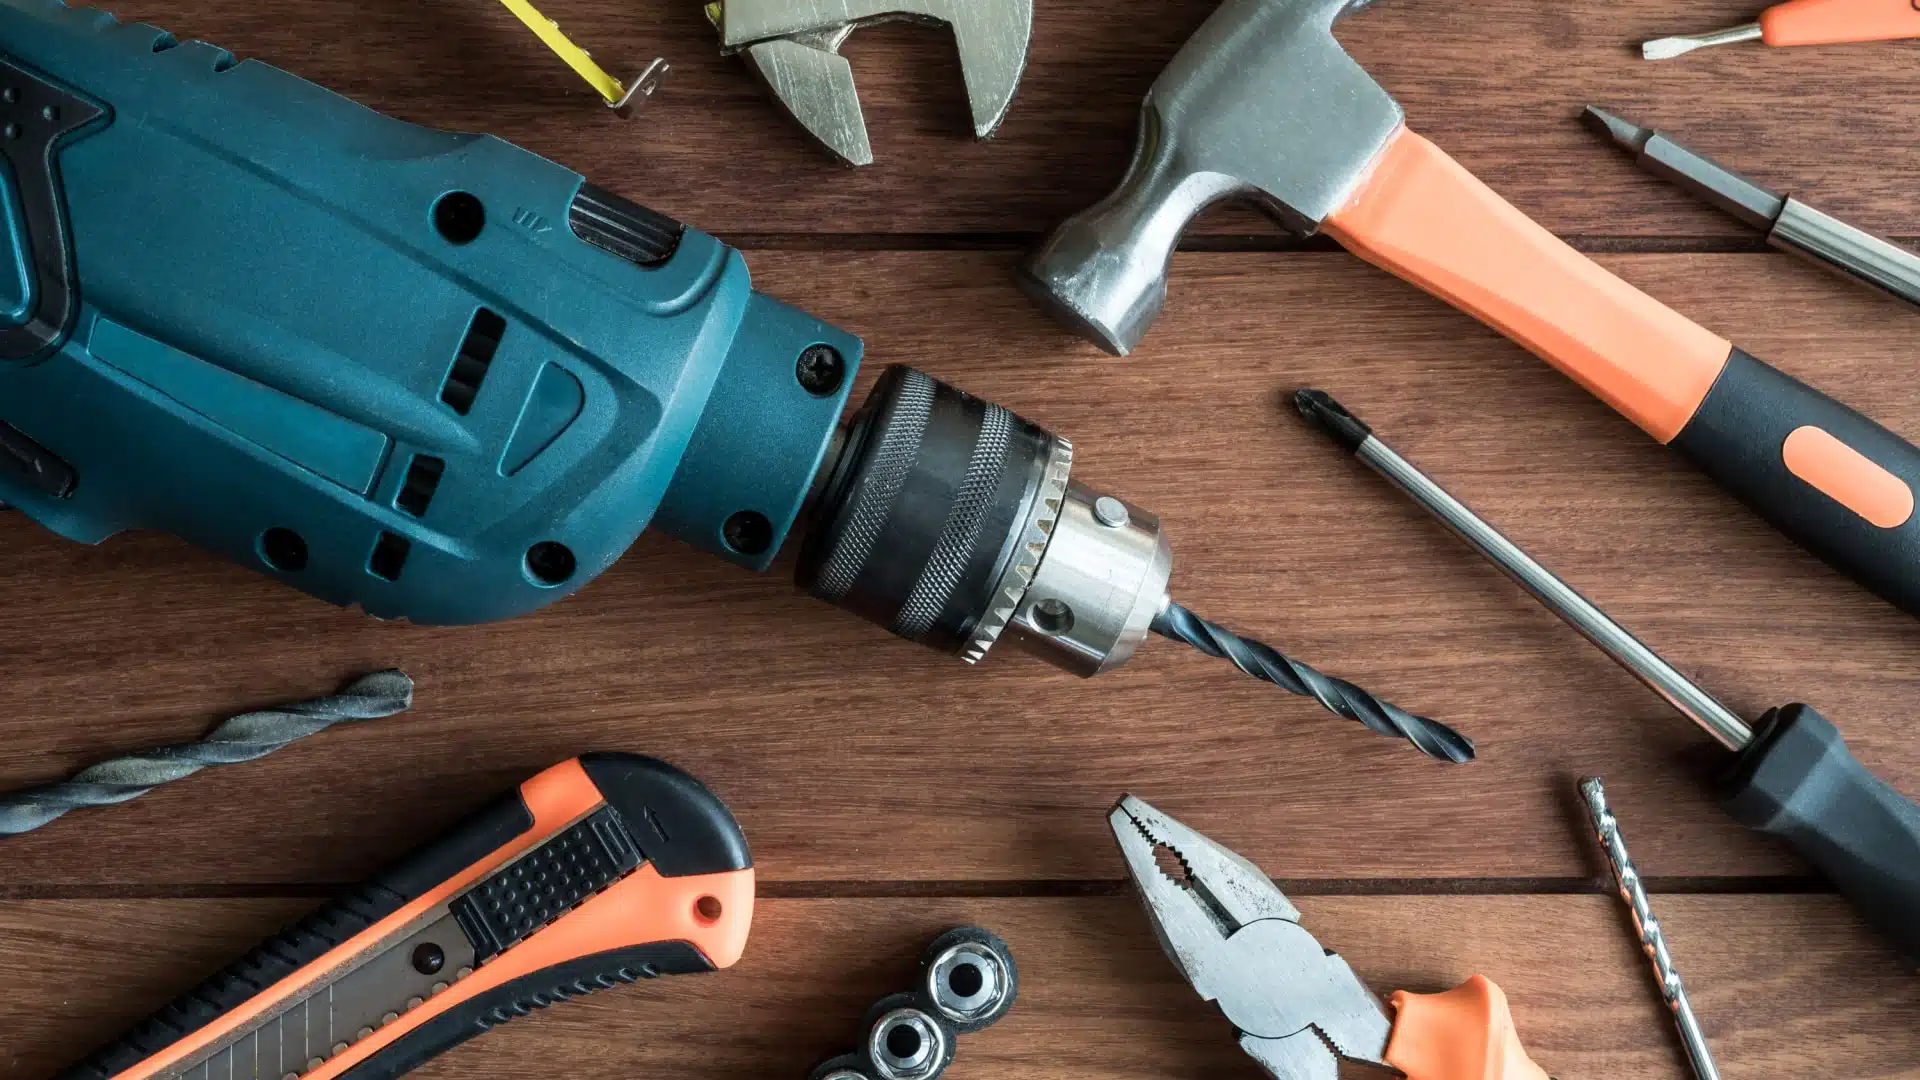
602, 870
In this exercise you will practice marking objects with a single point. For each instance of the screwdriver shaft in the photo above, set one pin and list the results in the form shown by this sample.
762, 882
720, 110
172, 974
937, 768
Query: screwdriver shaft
1559, 597
1653, 940
1669, 47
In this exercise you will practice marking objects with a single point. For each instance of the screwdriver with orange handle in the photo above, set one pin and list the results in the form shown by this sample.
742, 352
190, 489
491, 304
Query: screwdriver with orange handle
1298, 1007
1805, 22
602, 870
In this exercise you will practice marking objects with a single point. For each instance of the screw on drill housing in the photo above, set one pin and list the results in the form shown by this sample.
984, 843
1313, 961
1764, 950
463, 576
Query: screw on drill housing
821, 369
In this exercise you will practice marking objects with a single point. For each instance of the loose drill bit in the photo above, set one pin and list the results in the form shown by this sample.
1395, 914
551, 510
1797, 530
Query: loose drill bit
243, 738
1434, 739
1653, 941
1791, 225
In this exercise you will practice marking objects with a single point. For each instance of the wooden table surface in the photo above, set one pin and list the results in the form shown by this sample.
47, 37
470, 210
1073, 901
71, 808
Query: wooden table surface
888, 792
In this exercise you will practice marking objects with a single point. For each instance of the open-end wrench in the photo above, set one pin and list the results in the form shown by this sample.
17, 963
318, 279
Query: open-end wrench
795, 47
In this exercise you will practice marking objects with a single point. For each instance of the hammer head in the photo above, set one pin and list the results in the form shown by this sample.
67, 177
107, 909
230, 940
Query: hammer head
1263, 102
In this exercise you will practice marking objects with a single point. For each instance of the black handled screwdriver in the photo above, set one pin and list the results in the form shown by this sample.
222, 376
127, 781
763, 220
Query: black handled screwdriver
1792, 777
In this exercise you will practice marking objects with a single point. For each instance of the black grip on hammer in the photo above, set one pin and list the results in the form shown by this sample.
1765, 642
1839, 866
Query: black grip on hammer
1799, 782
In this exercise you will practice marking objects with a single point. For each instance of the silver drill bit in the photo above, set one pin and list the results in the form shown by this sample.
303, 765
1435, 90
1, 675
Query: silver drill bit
1670, 47
243, 738
1653, 940
1560, 598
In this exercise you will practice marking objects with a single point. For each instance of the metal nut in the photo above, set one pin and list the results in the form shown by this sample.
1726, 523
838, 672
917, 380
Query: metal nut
967, 982
907, 1044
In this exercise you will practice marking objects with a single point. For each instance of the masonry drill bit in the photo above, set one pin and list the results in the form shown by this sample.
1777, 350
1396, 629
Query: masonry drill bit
1434, 739
1653, 940
1791, 225
246, 737
1805, 22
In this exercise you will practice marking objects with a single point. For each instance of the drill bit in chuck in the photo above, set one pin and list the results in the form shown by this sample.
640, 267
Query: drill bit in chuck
243, 738
1434, 739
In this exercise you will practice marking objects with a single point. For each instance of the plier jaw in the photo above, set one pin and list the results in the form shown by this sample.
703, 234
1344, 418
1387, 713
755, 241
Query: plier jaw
794, 45
1237, 939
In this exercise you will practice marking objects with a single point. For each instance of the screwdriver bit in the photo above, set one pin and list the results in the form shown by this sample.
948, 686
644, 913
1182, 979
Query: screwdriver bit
246, 737
1790, 224
1432, 738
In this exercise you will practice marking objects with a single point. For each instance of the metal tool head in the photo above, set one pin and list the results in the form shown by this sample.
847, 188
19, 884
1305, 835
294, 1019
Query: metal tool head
1237, 938
1262, 102
795, 46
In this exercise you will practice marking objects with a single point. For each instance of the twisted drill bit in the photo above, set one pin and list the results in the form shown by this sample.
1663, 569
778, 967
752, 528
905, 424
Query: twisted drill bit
246, 737
1653, 941
1434, 739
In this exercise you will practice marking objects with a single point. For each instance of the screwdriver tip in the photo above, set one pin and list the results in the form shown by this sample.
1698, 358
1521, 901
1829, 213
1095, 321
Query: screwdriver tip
1331, 417
1631, 136
1670, 47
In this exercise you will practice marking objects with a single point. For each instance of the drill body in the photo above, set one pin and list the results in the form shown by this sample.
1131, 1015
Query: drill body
427, 373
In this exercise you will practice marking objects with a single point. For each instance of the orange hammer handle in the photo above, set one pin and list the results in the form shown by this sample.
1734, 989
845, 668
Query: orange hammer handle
1464, 1034
1423, 217
1841, 485
1831, 22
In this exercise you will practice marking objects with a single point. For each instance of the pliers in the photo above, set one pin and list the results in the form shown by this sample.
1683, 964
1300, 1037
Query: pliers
1298, 1007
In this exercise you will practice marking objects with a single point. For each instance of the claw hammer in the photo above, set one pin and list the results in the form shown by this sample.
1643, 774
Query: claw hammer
1263, 102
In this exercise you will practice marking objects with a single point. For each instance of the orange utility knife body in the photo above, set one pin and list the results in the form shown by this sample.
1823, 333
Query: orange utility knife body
599, 871
1300, 1010
1263, 102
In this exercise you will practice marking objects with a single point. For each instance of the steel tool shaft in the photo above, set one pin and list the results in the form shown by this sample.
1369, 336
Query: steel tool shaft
1653, 940
246, 737
1791, 225
1559, 597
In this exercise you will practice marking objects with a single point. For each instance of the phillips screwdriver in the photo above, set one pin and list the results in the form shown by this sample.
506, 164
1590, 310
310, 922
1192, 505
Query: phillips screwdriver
1805, 22
1792, 777
1791, 224
603, 870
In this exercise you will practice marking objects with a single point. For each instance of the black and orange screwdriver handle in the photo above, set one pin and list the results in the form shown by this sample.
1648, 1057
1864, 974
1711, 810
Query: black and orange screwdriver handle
599, 871
1831, 479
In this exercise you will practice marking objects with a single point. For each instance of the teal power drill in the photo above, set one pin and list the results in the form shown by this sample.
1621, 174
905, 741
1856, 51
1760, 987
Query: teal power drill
443, 379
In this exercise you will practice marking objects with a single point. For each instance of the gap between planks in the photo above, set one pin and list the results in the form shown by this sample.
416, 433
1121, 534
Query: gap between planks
1006, 890
1252, 241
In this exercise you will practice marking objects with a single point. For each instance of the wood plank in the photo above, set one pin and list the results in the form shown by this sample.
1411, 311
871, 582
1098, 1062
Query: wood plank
1784, 985
1498, 85
851, 756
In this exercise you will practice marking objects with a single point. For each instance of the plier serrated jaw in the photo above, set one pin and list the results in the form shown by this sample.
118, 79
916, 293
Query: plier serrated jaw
1237, 939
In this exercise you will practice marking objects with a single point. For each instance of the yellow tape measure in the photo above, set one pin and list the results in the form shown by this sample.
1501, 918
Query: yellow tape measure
616, 95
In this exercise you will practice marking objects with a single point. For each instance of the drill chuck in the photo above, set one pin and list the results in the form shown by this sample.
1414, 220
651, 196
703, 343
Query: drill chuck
950, 521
